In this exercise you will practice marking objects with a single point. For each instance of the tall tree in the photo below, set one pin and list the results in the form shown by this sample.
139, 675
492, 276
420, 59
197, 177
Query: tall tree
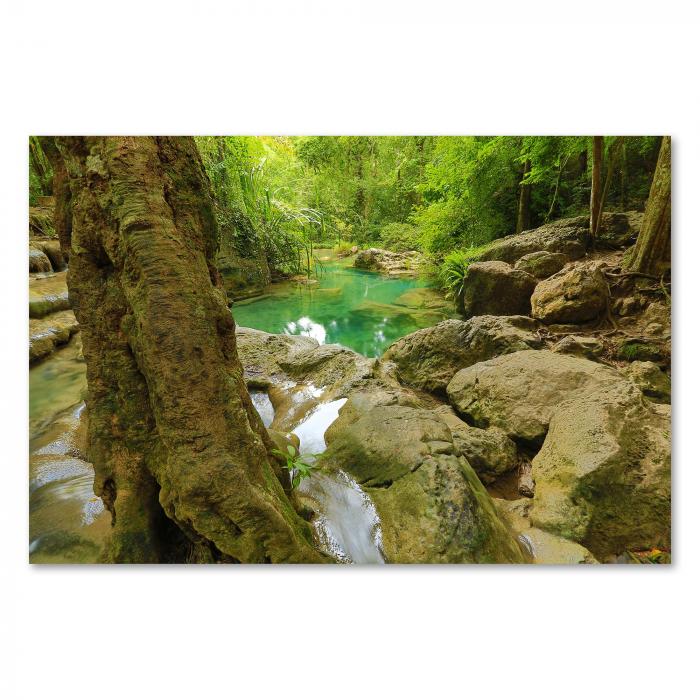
652, 251
181, 457
523, 222
596, 184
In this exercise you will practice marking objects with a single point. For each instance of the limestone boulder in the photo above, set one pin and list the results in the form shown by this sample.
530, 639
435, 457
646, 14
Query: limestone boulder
491, 453
653, 383
542, 264
261, 353
567, 236
496, 288
574, 295
38, 260
430, 357
432, 506
520, 392
388, 262
603, 475
620, 229
589, 347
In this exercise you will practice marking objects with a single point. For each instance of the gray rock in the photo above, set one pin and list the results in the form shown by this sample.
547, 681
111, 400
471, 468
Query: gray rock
650, 379
432, 506
495, 288
589, 347
491, 453
430, 357
520, 392
542, 264
575, 295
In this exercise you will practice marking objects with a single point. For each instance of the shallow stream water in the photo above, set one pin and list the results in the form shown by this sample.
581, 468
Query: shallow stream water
361, 310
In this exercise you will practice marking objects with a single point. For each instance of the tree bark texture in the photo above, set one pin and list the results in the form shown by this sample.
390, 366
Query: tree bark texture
181, 457
652, 251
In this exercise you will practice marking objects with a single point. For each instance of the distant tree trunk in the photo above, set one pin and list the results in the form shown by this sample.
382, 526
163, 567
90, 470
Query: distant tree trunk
613, 157
623, 177
652, 251
181, 457
523, 223
596, 184
562, 165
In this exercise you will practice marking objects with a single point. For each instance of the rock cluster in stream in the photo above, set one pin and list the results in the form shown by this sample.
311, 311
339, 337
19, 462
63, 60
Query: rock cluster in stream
51, 322
556, 386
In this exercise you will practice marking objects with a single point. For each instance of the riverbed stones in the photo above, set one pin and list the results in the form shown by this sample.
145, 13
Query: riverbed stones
496, 288
430, 357
519, 392
567, 236
653, 383
603, 475
48, 332
491, 453
574, 295
432, 506
52, 249
542, 264
589, 347
388, 262
47, 294
38, 260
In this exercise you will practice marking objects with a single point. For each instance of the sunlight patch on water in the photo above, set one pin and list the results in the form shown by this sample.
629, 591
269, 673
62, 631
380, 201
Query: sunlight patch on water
263, 405
305, 326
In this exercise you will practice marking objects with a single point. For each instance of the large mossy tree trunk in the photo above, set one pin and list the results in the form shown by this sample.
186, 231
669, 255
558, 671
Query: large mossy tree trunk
652, 251
181, 457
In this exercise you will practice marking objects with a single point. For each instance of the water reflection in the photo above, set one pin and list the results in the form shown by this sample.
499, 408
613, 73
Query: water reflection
360, 310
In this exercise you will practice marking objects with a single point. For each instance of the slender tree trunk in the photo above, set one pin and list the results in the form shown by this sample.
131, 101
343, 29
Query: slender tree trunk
623, 176
613, 157
652, 251
523, 223
596, 184
181, 457
562, 165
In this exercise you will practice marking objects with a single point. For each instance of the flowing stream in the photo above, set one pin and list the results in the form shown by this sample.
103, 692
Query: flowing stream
361, 310
348, 526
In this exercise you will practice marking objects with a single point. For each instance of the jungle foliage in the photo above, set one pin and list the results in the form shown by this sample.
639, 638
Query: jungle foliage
443, 195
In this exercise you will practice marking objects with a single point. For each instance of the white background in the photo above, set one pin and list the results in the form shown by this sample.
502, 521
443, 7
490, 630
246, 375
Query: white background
348, 67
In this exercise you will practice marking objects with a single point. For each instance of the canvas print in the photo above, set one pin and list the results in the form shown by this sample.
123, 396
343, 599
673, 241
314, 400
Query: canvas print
350, 349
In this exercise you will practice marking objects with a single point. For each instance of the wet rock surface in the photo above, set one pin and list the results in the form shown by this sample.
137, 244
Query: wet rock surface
432, 506
45, 334
47, 294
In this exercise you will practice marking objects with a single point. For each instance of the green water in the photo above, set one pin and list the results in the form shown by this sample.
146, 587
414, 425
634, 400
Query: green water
362, 310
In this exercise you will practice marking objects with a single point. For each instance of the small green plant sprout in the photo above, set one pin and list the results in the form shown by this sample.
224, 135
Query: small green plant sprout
297, 464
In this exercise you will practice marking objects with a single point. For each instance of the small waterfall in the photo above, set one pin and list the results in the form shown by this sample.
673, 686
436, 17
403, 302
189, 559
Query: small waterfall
348, 525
